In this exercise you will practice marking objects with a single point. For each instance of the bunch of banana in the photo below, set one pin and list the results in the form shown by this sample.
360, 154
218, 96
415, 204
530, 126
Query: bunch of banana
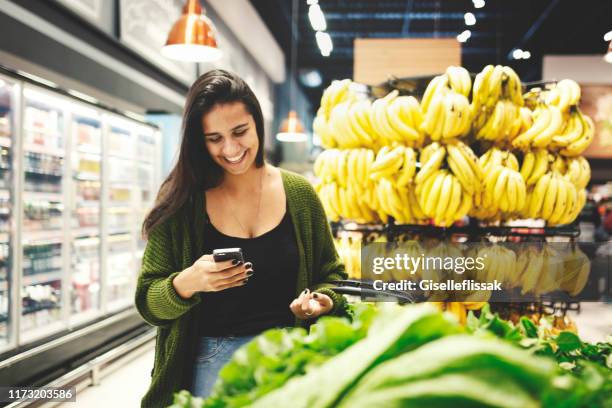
496, 104
442, 198
547, 123
504, 188
500, 264
389, 160
347, 203
503, 124
535, 164
398, 202
576, 271
555, 199
349, 251
445, 105
577, 136
465, 166
565, 94
349, 125
459, 80
338, 92
397, 119
578, 171
345, 166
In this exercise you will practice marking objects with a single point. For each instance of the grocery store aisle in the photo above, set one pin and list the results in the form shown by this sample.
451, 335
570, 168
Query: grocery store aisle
123, 388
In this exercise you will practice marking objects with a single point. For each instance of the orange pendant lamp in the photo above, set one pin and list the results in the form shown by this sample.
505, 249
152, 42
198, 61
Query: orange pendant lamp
291, 129
193, 37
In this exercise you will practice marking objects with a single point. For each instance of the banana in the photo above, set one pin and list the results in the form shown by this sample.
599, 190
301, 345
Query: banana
556, 121
511, 191
471, 159
438, 82
434, 118
444, 199
500, 188
543, 118
540, 167
357, 129
461, 169
572, 198
433, 163
480, 87
465, 207
529, 160
395, 120
431, 201
490, 184
572, 131
577, 147
495, 86
550, 197
453, 204
585, 173
513, 85
538, 195
387, 162
560, 202
408, 167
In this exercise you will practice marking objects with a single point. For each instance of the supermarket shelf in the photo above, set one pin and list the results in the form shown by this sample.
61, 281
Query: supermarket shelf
82, 176
84, 242
89, 149
50, 151
119, 304
42, 331
77, 319
46, 236
119, 234
42, 173
41, 196
29, 280
4, 237
86, 232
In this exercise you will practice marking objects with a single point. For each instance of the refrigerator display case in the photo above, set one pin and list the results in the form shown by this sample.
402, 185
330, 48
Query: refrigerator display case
76, 181
85, 221
9, 102
121, 209
42, 227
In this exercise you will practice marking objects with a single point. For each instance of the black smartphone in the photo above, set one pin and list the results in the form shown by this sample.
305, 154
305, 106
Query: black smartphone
225, 254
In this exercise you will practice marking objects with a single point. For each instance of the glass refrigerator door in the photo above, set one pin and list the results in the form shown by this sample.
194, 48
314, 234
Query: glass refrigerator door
43, 208
147, 159
86, 158
7, 126
120, 217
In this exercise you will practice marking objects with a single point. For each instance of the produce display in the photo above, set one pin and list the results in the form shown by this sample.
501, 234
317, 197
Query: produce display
414, 356
482, 149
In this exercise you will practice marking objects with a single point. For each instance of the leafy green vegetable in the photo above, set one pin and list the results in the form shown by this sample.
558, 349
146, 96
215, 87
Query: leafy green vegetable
323, 387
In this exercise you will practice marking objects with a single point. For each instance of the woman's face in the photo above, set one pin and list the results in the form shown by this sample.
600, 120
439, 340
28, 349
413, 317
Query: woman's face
230, 137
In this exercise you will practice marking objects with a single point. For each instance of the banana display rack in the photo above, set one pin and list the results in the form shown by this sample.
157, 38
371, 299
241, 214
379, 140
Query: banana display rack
472, 231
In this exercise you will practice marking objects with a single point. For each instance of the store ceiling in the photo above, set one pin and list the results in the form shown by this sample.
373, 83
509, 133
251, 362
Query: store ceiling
540, 26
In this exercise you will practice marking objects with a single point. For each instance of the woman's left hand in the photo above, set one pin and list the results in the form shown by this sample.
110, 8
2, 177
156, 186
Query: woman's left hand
310, 305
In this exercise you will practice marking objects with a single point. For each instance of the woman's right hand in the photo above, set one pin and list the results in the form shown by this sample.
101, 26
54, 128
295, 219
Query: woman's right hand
206, 275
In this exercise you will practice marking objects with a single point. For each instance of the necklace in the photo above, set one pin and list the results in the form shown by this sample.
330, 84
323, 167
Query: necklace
227, 201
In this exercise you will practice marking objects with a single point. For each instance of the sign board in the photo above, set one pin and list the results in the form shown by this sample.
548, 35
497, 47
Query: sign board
375, 60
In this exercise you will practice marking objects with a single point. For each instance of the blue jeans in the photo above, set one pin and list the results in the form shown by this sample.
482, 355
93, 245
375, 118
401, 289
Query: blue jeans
211, 355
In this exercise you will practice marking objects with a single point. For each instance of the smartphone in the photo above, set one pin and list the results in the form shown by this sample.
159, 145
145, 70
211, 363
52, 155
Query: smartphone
225, 254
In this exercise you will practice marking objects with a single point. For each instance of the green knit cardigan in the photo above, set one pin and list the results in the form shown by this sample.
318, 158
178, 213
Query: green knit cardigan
175, 244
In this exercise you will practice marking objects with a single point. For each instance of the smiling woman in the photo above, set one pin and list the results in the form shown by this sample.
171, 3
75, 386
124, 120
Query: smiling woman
222, 194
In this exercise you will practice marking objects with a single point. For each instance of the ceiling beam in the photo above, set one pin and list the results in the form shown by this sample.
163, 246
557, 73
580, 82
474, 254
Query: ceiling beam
402, 16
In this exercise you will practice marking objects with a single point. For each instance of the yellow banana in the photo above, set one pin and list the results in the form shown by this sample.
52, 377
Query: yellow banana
550, 197
556, 121
577, 147
433, 163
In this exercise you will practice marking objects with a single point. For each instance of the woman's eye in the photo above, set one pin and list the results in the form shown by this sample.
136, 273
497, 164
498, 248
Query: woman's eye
240, 132
214, 139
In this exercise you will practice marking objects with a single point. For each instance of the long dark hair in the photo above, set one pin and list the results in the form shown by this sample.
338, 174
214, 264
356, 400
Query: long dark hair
195, 170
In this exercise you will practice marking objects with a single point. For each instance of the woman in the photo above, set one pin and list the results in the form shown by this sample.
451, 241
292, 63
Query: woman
221, 194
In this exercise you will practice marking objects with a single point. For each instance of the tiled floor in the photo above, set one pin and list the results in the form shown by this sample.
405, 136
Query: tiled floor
121, 389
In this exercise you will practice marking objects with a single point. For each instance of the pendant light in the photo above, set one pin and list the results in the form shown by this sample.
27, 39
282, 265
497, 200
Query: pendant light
608, 56
291, 129
192, 38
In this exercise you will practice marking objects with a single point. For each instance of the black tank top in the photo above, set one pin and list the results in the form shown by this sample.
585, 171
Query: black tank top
262, 303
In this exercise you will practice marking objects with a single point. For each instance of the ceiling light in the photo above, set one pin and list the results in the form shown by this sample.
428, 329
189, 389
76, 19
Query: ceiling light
517, 54
192, 38
463, 37
291, 130
311, 78
470, 19
311, 2
478, 3
317, 18
608, 56
324, 42
526, 55
608, 36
